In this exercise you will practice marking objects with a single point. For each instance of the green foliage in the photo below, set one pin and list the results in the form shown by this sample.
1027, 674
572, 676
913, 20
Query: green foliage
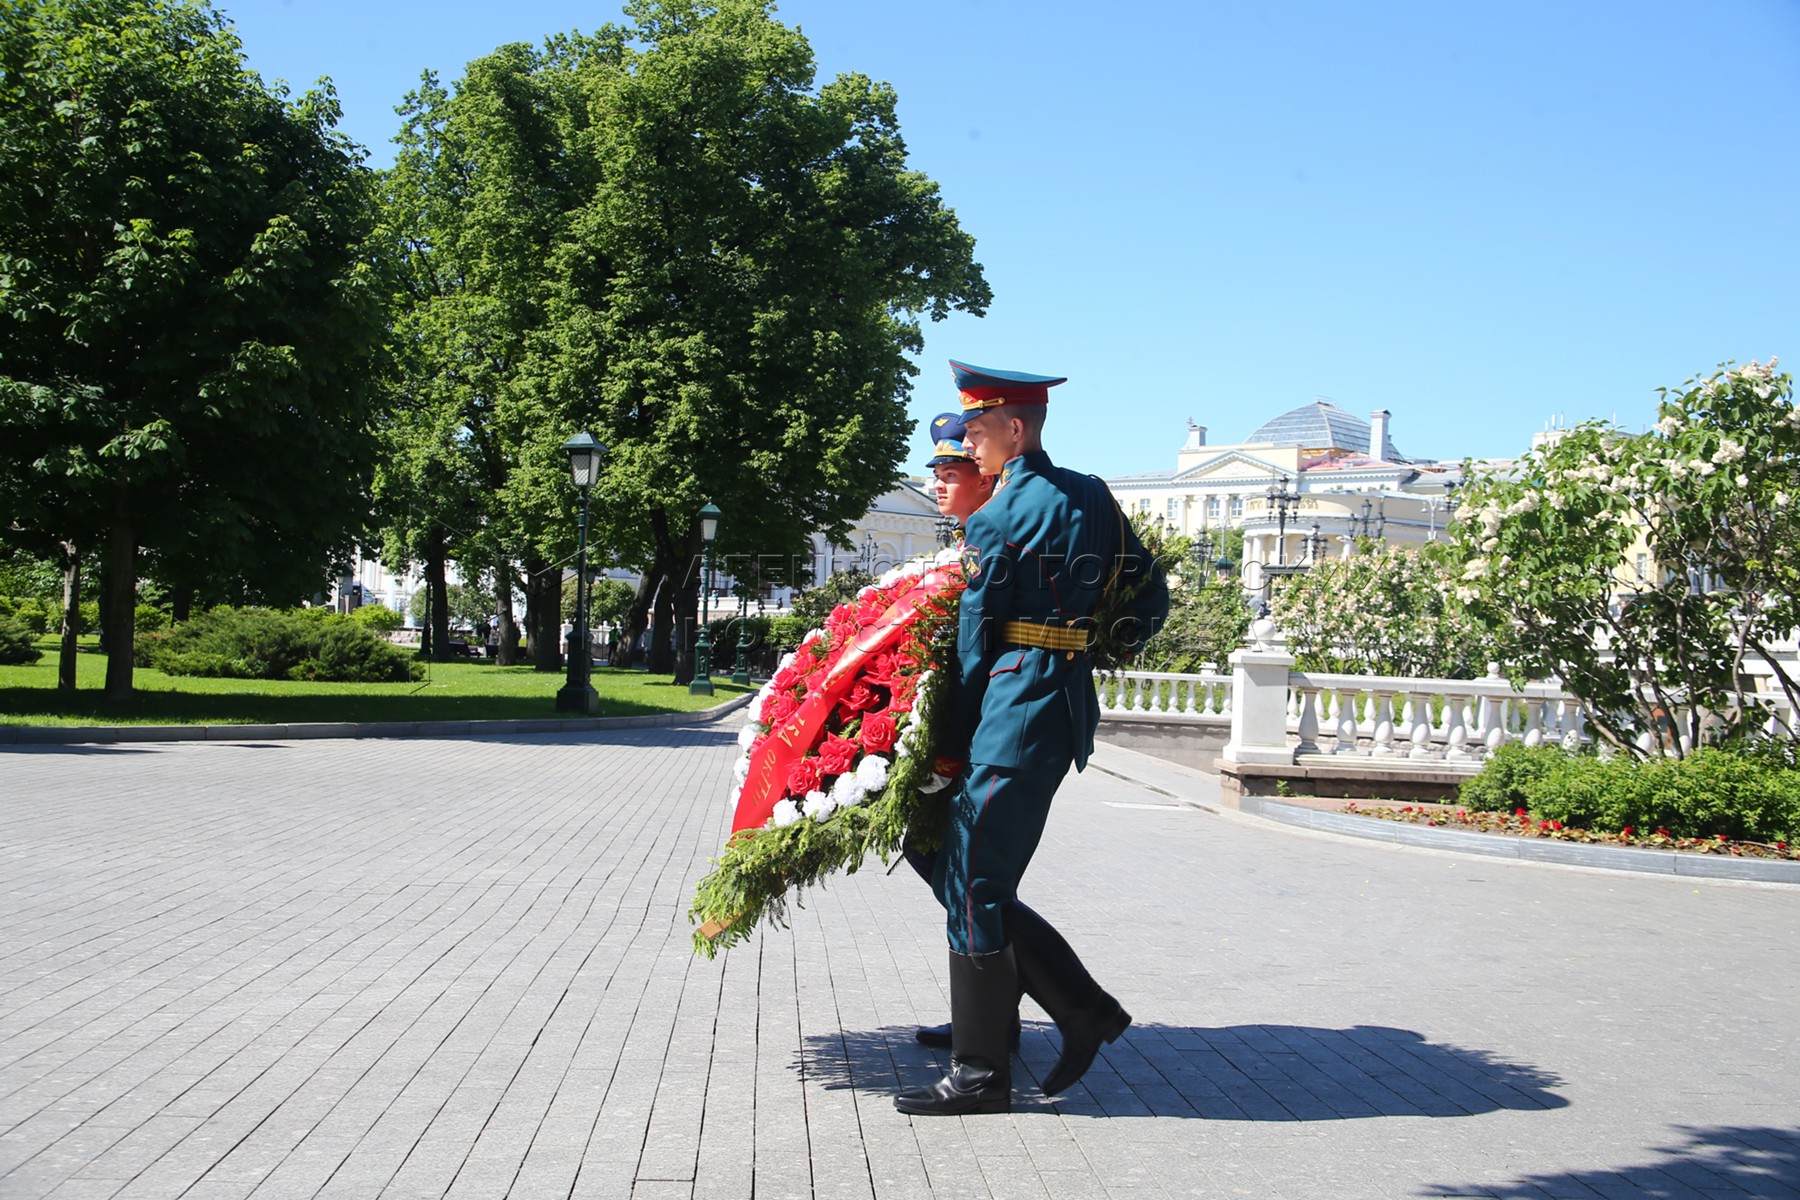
186, 302
785, 633
1507, 776
31, 613
1552, 545
469, 607
16, 645
1708, 793
1208, 618
378, 619
260, 643
1384, 610
812, 605
26, 577
147, 618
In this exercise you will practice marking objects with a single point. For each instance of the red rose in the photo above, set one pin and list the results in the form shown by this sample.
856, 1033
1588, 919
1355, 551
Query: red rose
838, 754
779, 708
786, 678
869, 611
879, 733
881, 669
863, 697
804, 776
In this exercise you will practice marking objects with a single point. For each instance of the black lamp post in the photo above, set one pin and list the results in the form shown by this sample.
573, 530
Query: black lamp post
1283, 502
1375, 527
946, 531
868, 554
578, 694
1201, 551
1224, 568
702, 684
741, 673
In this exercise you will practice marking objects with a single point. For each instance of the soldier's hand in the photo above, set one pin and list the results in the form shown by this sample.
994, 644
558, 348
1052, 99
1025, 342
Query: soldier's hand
943, 773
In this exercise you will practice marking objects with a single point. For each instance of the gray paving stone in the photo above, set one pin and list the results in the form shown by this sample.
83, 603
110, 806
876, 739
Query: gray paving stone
469, 974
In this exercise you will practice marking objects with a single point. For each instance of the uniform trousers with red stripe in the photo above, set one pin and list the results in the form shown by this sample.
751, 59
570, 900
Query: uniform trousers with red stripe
996, 819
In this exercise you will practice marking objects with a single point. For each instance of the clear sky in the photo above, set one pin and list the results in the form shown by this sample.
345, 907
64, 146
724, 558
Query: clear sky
1479, 217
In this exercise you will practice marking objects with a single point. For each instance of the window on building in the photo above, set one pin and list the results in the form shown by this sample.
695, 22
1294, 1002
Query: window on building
1174, 511
1212, 507
1144, 507
1237, 506
1643, 567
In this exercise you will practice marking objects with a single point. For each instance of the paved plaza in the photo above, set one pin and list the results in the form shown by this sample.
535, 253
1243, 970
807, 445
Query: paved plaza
422, 968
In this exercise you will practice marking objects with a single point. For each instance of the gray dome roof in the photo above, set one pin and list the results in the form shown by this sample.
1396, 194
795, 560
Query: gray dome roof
1320, 425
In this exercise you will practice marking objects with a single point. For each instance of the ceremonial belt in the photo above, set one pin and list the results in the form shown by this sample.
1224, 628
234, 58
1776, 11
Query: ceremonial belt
1044, 637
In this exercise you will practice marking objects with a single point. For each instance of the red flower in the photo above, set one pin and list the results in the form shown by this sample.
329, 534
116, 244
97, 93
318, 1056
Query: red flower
1518, 812
881, 669
869, 611
1721, 837
862, 697
786, 678
779, 708
805, 775
838, 754
879, 732
1625, 832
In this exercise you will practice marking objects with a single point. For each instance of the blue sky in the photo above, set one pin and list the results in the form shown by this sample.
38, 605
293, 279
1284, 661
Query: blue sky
1479, 217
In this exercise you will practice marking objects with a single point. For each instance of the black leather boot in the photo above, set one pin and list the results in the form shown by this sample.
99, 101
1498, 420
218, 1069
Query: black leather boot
1051, 973
984, 1001
938, 1036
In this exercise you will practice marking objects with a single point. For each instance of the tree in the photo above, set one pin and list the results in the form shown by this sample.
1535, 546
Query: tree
1708, 499
1384, 610
1208, 617
186, 306
738, 295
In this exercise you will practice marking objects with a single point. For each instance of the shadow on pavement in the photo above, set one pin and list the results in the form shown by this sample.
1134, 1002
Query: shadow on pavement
76, 748
1235, 1073
1723, 1160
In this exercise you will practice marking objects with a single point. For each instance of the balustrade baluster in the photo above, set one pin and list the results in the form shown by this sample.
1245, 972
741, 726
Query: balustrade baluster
1419, 731
1346, 721
1309, 721
1382, 713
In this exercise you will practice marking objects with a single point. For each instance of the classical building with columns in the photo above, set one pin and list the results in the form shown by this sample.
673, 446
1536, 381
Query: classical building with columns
901, 524
1302, 486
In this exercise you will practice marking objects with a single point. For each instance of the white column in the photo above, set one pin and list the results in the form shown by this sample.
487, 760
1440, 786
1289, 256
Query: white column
1259, 705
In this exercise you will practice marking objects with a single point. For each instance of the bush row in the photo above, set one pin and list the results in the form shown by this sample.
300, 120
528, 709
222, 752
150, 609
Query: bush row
261, 643
1740, 793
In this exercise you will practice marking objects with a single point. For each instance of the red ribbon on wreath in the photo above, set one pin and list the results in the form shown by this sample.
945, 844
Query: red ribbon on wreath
789, 741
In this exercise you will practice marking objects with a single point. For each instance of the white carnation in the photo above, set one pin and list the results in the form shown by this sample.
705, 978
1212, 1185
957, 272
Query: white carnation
872, 772
748, 734
786, 813
848, 791
819, 805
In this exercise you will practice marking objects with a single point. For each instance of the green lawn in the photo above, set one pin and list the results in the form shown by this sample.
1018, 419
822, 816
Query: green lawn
459, 691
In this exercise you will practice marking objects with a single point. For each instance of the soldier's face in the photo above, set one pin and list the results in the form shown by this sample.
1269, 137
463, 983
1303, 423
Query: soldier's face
993, 438
961, 489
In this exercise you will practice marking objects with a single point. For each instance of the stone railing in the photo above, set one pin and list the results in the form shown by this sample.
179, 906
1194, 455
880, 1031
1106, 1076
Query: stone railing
1449, 720
1203, 698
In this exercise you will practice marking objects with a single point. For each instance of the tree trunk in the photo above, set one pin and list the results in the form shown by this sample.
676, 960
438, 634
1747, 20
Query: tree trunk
181, 604
543, 592
121, 608
507, 655
71, 618
638, 618
439, 616
662, 653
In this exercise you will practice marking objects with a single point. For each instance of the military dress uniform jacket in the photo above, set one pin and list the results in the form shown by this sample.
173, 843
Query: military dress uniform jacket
1040, 553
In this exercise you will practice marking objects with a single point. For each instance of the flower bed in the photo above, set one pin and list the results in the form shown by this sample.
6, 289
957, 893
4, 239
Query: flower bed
1521, 823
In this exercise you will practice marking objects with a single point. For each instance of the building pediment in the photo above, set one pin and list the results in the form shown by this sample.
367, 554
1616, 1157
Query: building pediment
1231, 464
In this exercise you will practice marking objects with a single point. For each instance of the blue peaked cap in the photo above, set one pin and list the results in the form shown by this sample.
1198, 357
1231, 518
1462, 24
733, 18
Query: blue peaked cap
947, 440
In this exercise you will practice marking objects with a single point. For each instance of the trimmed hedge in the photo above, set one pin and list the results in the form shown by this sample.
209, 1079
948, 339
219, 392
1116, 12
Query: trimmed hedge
1713, 791
261, 643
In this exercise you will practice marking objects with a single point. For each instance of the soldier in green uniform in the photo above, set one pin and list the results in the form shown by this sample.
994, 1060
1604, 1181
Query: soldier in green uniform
1038, 558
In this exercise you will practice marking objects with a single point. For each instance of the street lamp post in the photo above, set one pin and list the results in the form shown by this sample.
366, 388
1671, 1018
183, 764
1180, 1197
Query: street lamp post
578, 694
702, 684
946, 531
741, 673
868, 554
1283, 502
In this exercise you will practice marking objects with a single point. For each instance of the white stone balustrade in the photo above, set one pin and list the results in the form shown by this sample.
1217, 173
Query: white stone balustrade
1204, 697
